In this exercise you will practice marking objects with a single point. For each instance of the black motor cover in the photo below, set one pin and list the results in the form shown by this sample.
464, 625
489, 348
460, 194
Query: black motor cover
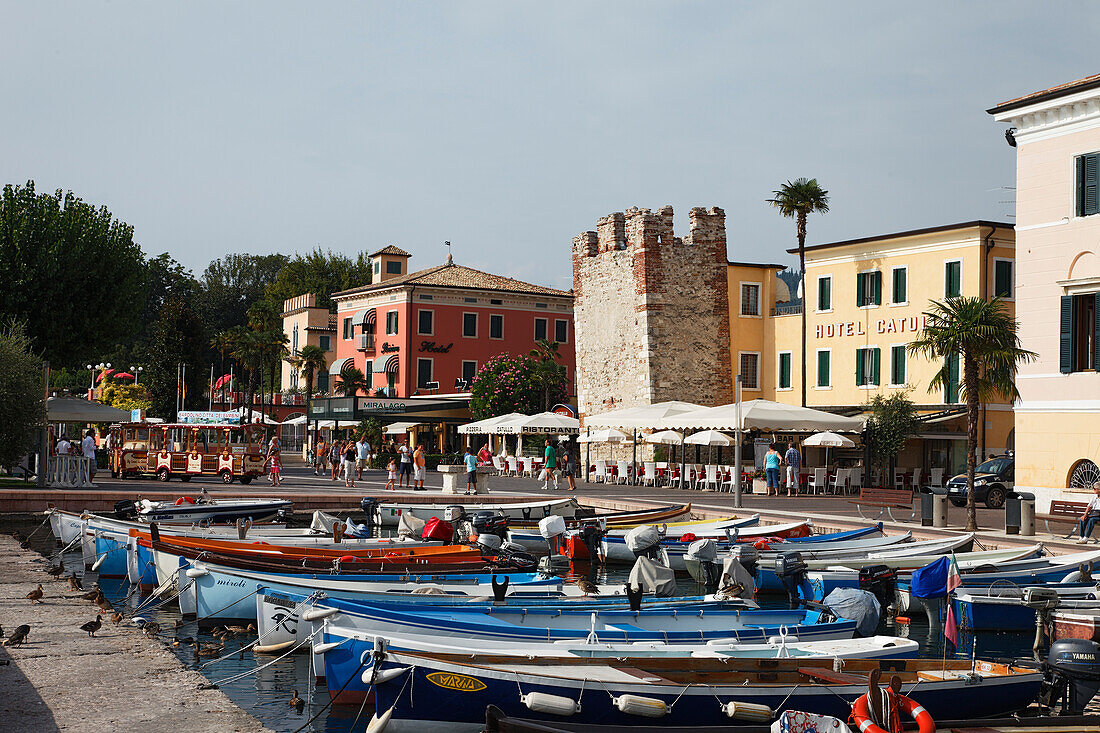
370, 505
791, 571
489, 523
125, 509
881, 580
1073, 674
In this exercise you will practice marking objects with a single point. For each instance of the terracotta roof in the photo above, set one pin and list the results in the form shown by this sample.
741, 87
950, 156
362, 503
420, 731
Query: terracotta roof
910, 233
390, 250
459, 276
1078, 85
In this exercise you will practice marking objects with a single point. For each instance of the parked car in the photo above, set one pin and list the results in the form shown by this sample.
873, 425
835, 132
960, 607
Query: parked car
993, 480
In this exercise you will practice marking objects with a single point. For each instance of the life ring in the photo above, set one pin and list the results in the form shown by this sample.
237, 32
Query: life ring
184, 500
861, 715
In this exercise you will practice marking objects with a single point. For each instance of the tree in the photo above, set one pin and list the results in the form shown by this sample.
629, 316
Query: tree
351, 381
320, 272
309, 361
233, 284
125, 396
893, 421
797, 200
248, 353
548, 371
22, 404
176, 337
508, 383
983, 334
70, 272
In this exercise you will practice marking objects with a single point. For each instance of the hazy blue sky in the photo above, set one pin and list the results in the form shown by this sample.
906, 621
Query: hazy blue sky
509, 127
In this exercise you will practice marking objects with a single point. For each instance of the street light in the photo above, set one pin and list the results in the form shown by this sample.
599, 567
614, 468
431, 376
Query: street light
136, 370
100, 366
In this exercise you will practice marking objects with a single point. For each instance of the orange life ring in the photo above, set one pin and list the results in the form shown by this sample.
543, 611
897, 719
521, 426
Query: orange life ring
861, 715
183, 499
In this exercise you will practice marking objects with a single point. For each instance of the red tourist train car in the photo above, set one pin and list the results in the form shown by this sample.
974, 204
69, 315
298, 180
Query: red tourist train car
180, 450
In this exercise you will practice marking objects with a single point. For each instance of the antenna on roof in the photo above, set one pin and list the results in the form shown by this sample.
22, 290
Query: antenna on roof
450, 259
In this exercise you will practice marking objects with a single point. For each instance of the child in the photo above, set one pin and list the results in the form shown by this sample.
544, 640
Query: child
275, 467
349, 464
392, 468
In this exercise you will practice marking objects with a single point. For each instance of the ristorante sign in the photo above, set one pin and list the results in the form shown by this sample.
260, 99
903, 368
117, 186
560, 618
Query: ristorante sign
906, 324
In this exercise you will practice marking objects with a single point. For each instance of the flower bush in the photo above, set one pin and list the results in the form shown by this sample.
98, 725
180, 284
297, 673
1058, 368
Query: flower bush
507, 383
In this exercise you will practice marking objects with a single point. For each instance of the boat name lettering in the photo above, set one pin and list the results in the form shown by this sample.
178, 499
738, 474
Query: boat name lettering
460, 682
276, 601
231, 583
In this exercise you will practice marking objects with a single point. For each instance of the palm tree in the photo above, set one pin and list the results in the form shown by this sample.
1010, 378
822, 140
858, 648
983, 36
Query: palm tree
547, 370
797, 200
350, 382
222, 343
248, 351
982, 333
309, 361
273, 343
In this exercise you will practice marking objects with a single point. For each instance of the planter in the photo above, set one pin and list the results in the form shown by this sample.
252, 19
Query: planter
454, 479
759, 486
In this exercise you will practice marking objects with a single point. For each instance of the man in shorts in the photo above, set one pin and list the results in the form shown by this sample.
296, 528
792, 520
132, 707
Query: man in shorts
405, 474
793, 459
362, 456
471, 471
320, 456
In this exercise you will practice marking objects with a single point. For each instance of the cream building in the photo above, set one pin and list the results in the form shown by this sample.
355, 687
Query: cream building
1057, 137
305, 323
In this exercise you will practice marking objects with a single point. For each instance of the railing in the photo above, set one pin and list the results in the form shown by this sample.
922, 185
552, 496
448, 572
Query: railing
786, 309
69, 472
365, 342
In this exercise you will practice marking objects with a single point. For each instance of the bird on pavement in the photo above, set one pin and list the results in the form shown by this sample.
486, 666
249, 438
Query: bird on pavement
105, 605
36, 594
116, 618
56, 570
92, 626
296, 702
91, 595
18, 636
588, 587
74, 583
151, 629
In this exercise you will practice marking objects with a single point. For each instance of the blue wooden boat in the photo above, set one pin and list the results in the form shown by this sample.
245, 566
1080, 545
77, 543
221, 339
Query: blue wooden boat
451, 692
1001, 608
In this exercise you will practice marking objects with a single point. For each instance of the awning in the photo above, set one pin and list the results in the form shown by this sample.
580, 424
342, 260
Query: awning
72, 409
942, 416
367, 318
764, 415
544, 423
339, 364
384, 363
399, 428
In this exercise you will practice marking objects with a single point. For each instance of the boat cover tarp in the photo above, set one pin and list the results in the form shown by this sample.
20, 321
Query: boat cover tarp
737, 574
856, 605
409, 525
653, 577
931, 580
323, 523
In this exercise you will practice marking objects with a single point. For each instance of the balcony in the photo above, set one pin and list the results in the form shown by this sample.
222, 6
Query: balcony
365, 342
786, 309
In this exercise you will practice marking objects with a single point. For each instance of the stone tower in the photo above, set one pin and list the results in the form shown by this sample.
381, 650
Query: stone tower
651, 311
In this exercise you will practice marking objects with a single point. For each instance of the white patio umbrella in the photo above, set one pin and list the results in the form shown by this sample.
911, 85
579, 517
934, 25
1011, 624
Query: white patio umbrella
641, 416
604, 435
828, 440
763, 415
709, 437
665, 437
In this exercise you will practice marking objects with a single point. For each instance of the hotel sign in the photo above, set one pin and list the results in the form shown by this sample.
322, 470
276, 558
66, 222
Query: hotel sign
907, 324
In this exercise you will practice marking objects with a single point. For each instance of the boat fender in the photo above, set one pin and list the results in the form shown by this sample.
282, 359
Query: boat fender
102, 559
540, 702
316, 614
750, 711
376, 724
649, 707
273, 648
861, 715
322, 648
384, 675
184, 500
789, 639
346, 558
196, 572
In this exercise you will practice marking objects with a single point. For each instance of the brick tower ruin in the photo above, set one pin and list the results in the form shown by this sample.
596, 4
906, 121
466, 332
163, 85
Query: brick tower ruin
651, 311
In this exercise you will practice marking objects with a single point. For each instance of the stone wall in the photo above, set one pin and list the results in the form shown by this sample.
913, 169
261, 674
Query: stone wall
651, 311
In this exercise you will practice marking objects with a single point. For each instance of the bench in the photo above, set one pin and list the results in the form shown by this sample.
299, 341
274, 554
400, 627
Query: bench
830, 677
1063, 512
887, 500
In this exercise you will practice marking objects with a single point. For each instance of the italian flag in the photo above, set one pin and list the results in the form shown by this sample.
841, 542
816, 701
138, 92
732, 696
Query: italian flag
950, 629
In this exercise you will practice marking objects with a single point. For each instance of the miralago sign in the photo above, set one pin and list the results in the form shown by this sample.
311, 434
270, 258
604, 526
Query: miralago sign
354, 409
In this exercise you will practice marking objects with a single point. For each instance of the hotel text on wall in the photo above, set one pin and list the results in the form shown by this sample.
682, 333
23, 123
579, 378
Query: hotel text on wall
910, 324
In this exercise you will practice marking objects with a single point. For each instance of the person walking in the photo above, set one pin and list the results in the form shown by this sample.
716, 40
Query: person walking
406, 465
420, 468
362, 456
772, 460
335, 456
274, 449
320, 455
569, 469
471, 471
87, 447
793, 459
549, 465
1090, 517
349, 464
391, 467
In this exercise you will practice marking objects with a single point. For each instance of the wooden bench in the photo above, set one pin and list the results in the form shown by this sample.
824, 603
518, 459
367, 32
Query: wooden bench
830, 677
887, 500
1063, 512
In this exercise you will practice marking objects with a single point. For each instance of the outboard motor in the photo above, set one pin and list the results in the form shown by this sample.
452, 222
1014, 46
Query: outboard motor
489, 523
489, 543
454, 513
700, 559
370, 508
790, 568
125, 509
880, 580
747, 555
644, 541
1072, 671
591, 535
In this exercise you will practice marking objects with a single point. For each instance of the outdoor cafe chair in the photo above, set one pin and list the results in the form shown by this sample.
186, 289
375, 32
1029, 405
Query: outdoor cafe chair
529, 467
513, 466
876, 478
937, 478
600, 475
664, 473
840, 480
915, 481
856, 481
729, 476
649, 473
712, 477
817, 481
899, 478
623, 469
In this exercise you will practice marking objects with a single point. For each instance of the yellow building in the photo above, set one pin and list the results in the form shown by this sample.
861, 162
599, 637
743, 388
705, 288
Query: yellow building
866, 302
755, 295
304, 323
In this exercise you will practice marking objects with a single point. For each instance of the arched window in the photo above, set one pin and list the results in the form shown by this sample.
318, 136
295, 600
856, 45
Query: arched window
1083, 474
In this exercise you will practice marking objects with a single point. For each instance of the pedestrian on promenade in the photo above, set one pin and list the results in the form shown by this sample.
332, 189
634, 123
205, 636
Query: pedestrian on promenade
406, 465
391, 467
772, 460
274, 448
362, 456
420, 468
485, 456
471, 471
320, 455
87, 446
549, 465
1090, 517
64, 447
569, 470
349, 464
335, 456
793, 459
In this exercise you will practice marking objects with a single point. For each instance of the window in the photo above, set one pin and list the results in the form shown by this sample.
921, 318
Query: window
391, 321
427, 297
824, 357
897, 365
1088, 184
899, 286
540, 305
1002, 278
347, 328
750, 370
377, 267
469, 369
825, 293
425, 325
561, 331
325, 342
750, 299
469, 300
496, 326
393, 267
391, 384
951, 388
952, 279
322, 382
867, 367
495, 301
869, 288
1079, 327
469, 325
423, 372
784, 376
540, 329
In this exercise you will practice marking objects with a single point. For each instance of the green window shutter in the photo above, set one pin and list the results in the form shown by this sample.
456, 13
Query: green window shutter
785, 371
859, 289
1079, 177
1065, 350
1091, 201
897, 365
823, 369
952, 280
875, 366
1096, 332
1002, 279
899, 294
876, 280
824, 293
952, 390
859, 368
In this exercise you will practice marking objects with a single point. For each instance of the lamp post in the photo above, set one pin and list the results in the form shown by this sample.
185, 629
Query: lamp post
136, 370
737, 442
100, 366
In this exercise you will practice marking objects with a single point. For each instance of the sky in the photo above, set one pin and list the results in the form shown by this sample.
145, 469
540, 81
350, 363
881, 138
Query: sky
507, 128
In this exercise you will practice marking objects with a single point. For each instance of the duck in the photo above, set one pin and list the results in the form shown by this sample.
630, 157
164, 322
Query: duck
151, 628
104, 604
74, 583
116, 618
56, 570
296, 702
35, 596
588, 587
18, 636
92, 594
93, 626
209, 650
241, 629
